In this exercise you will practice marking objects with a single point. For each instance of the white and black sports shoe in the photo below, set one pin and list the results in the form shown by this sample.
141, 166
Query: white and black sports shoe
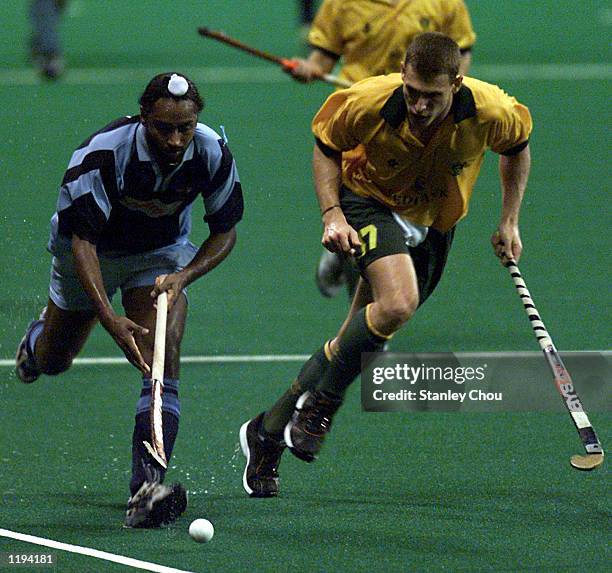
263, 456
25, 366
155, 504
310, 423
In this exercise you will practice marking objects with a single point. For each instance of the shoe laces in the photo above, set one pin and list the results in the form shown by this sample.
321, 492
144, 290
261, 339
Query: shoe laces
318, 417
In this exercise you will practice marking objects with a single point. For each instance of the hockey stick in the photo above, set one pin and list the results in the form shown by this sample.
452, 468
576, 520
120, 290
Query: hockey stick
594, 452
156, 447
284, 62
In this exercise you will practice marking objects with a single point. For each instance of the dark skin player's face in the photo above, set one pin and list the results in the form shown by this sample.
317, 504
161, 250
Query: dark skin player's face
170, 126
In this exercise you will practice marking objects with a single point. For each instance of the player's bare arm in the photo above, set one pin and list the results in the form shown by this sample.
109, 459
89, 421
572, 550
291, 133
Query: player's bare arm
213, 252
316, 65
121, 328
338, 235
513, 173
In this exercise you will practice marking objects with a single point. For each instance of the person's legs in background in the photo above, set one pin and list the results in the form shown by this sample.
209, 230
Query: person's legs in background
46, 50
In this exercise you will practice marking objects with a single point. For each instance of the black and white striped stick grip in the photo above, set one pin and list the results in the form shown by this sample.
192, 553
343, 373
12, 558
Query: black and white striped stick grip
532, 312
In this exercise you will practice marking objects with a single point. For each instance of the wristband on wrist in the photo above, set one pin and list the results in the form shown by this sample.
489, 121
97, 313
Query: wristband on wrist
336, 206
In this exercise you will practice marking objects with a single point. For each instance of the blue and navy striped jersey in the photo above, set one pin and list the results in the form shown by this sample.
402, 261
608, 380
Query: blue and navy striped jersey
114, 194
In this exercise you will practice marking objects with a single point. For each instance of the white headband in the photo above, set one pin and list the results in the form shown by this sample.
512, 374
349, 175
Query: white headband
177, 85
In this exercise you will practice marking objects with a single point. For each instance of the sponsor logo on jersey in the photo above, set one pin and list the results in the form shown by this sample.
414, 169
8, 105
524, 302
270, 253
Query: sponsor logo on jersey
151, 207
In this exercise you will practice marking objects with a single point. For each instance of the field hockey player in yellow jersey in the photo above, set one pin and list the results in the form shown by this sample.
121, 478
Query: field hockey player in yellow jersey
395, 162
370, 38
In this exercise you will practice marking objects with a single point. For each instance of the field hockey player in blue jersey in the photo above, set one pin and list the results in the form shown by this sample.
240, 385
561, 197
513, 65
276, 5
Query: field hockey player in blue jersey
122, 222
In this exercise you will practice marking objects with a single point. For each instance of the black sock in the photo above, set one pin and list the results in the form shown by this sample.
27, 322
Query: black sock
140, 455
277, 417
346, 362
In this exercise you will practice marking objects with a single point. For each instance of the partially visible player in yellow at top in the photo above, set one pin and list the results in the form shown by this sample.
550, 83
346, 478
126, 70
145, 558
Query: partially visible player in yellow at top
371, 36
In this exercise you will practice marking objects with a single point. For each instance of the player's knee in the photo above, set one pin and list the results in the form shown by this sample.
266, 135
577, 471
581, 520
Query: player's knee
398, 309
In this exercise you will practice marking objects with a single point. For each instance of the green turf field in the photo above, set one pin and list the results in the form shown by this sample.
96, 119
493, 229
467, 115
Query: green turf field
392, 492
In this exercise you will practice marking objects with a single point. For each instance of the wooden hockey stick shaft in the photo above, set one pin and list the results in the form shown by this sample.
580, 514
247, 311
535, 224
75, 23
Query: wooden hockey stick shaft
284, 62
156, 446
561, 376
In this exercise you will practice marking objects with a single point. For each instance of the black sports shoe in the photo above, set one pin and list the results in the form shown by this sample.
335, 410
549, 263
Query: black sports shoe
155, 504
263, 456
25, 366
312, 419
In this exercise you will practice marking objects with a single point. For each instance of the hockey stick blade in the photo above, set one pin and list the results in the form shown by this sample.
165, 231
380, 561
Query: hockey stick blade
587, 463
161, 461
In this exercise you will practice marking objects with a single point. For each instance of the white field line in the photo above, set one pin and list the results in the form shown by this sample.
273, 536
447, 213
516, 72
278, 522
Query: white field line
112, 361
270, 74
90, 552
267, 358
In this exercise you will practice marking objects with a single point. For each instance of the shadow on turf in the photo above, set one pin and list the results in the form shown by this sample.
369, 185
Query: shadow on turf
89, 500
